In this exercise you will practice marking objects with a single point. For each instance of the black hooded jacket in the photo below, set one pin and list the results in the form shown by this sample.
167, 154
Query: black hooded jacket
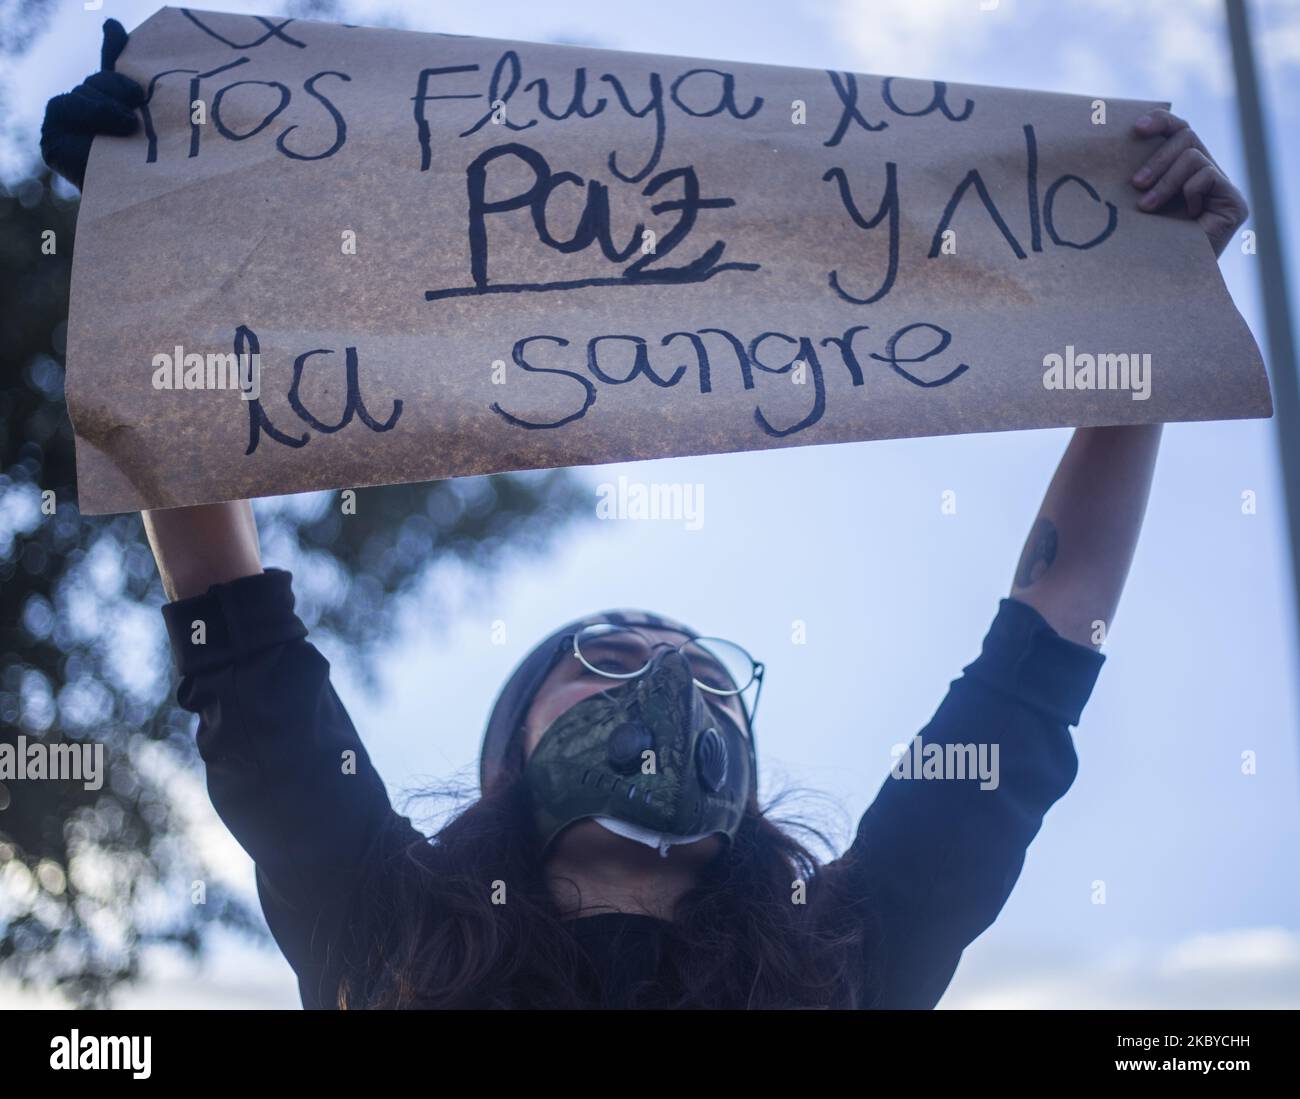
292, 781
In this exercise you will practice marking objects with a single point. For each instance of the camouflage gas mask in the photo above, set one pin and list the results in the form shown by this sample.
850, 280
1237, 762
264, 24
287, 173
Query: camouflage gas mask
649, 759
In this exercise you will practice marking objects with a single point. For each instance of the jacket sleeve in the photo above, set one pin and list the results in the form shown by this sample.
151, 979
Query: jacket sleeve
935, 859
285, 769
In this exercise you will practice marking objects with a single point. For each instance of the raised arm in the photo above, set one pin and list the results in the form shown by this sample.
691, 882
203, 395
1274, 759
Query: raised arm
286, 771
1079, 549
935, 858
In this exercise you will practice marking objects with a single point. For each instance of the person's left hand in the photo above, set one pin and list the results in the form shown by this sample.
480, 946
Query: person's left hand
1181, 167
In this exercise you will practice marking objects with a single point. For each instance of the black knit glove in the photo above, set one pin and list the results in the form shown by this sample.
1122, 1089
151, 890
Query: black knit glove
104, 104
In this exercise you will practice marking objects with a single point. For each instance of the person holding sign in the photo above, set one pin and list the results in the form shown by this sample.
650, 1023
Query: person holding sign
618, 855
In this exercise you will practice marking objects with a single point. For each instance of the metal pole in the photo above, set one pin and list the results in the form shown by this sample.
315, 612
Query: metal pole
1280, 335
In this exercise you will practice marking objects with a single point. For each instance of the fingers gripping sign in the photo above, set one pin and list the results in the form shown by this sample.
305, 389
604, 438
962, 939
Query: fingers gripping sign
1181, 168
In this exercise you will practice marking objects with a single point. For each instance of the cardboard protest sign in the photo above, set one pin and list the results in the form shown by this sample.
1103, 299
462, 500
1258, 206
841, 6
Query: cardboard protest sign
337, 256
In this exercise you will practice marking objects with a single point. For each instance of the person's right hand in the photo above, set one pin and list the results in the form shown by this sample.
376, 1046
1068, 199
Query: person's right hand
104, 103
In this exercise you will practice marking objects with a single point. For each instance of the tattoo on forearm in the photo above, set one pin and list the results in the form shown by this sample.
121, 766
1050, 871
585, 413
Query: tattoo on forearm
1039, 553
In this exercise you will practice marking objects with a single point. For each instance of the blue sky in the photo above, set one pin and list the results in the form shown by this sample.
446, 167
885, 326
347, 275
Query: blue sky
1202, 900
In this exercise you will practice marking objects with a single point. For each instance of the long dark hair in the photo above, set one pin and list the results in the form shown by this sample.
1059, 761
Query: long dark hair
435, 937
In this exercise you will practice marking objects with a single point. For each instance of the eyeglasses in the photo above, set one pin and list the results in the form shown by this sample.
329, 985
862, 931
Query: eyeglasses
717, 666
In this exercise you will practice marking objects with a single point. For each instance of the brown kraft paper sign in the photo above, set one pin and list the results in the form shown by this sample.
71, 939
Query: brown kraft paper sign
336, 256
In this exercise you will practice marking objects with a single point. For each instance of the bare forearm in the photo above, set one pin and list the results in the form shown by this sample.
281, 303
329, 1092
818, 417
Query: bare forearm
1078, 553
196, 547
